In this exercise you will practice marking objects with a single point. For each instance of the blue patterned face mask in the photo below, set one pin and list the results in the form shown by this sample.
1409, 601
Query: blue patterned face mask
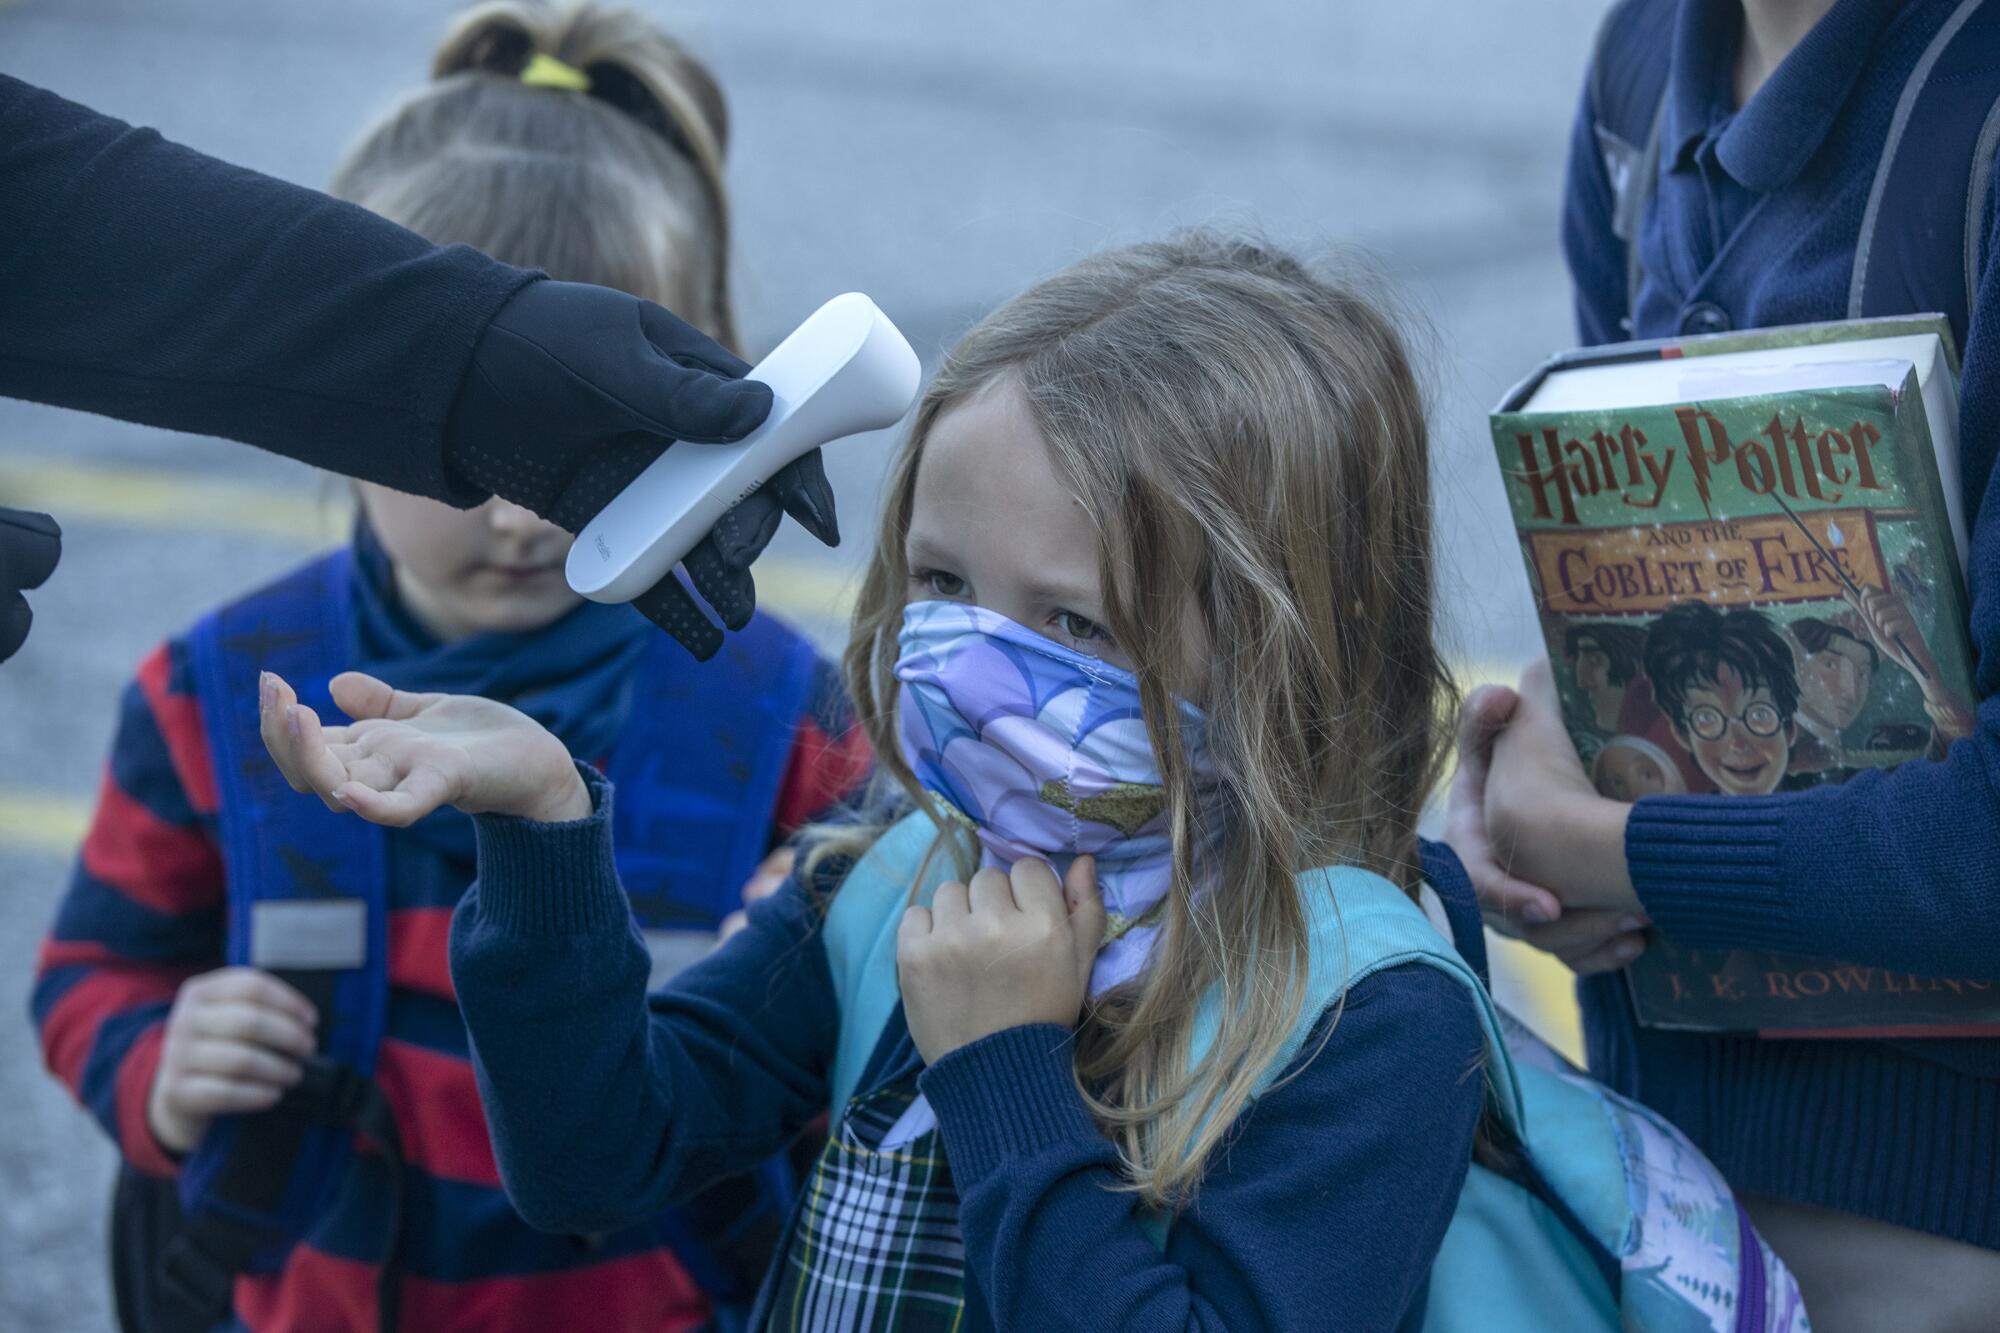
1045, 751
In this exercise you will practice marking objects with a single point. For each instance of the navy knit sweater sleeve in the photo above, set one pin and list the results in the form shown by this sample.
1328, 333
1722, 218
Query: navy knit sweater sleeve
1892, 868
606, 1104
1326, 1208
146, 281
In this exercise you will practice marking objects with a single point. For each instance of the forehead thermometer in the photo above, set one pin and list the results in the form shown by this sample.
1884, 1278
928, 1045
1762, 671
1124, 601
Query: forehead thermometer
844, 371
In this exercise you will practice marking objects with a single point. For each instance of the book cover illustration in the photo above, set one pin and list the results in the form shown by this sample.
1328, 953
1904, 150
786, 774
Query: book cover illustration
1743, 595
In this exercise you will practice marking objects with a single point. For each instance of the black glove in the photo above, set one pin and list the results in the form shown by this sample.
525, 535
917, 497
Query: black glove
30, 545
574, 389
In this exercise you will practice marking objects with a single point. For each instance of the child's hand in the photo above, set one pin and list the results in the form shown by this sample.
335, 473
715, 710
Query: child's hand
407, 754
1012, 948
1589, 940
1544, 851
1505, 900
235, 1039
769, 876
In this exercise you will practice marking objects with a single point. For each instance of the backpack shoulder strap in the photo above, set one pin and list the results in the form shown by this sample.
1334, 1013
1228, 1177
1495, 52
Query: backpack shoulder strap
1447, 876
307, 886
1978, 187
308, 901
1924, 227
1360, 924
1629, 79
905, 865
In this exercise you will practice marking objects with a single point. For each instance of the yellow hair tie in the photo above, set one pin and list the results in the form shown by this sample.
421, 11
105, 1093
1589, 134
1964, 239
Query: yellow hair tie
545, 71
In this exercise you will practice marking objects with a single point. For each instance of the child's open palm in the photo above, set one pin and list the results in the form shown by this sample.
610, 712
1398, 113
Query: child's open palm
404, 755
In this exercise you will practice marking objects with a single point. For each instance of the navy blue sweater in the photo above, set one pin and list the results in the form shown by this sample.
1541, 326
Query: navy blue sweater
1326, 1210
145, 281
1755, 222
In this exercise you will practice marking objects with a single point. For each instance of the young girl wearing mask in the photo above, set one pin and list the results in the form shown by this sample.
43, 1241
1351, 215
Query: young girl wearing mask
1145, 644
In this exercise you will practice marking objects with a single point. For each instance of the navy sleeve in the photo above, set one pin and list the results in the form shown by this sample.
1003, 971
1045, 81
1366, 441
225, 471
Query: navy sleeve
1897, 869
149, 282
605, 1104
1326, 1207
1596, 256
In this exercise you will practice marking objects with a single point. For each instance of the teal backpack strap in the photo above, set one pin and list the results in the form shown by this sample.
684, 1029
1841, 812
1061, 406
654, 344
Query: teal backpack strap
860, 938
1360, 924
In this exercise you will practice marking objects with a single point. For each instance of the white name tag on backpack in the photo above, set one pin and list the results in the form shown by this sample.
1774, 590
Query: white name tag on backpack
309, 934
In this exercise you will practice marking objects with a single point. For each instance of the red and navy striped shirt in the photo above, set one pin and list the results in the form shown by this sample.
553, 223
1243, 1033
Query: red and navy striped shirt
145, 911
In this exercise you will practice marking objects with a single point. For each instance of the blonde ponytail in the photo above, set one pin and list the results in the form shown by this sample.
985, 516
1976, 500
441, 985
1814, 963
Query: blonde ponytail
618, 182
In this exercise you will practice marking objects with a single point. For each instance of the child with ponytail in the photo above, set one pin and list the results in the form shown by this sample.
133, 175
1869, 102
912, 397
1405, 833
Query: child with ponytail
1092, 985
255, 1002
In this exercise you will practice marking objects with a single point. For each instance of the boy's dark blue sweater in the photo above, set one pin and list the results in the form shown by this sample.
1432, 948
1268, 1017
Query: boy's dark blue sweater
1325, 1210
1755, 223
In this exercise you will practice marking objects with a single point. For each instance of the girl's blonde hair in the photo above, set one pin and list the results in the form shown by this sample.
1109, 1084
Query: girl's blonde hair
620, 185
1239, 427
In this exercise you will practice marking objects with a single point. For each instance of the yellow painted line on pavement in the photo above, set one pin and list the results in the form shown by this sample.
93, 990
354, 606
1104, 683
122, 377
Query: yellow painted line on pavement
33, 821
150, 497
800, 591
156, 498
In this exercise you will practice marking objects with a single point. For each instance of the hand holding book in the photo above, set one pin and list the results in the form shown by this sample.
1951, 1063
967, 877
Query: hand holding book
1545, 852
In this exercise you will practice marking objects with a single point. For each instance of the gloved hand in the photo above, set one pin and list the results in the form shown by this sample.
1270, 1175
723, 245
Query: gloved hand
574, 389
30, 545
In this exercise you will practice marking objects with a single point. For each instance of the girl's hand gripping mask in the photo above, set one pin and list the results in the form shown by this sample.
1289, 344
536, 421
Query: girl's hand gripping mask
1044, 751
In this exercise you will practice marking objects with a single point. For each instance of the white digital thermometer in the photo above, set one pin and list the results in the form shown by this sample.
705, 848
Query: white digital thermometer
844, 371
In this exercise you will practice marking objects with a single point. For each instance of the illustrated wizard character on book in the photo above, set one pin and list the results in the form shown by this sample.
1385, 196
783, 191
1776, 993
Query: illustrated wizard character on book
1706, 699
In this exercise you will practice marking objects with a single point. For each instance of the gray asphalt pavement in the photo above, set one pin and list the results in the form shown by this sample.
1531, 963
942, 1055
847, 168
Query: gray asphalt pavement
938, 157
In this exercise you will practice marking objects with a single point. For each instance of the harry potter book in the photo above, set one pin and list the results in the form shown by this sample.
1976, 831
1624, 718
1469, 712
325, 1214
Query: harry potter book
1747, 555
